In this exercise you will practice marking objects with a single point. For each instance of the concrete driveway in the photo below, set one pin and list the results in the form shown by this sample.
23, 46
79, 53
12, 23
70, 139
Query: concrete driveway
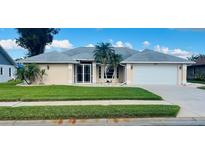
189, 98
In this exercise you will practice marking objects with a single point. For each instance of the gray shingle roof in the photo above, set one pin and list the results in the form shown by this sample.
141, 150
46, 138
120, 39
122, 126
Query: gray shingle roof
5, 58
49, 57
86, 53
149, 56
73, 55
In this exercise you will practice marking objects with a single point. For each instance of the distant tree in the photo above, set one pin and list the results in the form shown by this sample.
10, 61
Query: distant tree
193, 58
196, 57
35, 39
201, 56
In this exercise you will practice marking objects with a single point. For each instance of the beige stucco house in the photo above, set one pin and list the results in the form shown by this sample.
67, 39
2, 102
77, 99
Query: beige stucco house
78, 66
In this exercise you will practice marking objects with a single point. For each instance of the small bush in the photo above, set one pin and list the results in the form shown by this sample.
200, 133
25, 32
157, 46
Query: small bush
199, 77
15, 81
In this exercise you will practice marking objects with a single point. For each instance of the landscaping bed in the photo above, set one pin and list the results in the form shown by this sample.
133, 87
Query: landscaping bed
11, 92
197, 81
87, 112
203, 87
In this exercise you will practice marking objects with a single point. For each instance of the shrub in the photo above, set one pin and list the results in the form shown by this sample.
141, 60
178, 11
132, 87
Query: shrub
200, 77
30, 73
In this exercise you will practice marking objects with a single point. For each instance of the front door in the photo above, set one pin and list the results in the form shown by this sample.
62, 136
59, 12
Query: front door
84, 73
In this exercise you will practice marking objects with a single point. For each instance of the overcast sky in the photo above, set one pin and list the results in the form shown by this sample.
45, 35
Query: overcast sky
178, 42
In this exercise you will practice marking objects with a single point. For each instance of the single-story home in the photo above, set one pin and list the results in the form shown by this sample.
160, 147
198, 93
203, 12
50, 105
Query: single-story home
196, 70
7, 66
138, 67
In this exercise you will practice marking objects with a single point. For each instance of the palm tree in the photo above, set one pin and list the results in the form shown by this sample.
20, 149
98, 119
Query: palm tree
115, 61
30, 73
20, 74
195, 58
103, 53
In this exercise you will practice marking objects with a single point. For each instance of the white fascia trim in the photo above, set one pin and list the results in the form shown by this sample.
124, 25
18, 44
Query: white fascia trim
156, 62
85, 59
47, 62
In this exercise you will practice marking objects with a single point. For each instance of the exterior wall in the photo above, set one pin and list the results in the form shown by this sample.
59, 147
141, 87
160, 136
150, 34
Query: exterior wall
94, 75
184, 74
181, 73
129, 74
5, 76
115, 80
60, 74
121, 74
63, 74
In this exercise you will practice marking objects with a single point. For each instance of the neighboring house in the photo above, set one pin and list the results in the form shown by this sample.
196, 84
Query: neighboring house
78, 66
196, 70
7, 66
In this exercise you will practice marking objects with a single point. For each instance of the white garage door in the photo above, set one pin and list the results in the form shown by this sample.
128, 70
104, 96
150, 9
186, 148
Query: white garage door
154, 74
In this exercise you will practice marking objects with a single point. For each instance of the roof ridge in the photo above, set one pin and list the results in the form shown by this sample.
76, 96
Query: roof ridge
154, 56
150, 50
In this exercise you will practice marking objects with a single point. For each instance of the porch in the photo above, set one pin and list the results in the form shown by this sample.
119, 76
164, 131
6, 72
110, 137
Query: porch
89, 72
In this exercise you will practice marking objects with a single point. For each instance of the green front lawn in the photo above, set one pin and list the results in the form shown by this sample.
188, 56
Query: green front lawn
11, 92
88, 111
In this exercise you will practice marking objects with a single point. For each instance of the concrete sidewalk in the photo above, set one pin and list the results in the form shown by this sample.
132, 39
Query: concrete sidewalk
110, 122
87, 102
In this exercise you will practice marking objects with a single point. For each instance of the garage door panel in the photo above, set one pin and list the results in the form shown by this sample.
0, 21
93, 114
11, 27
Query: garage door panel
154, 74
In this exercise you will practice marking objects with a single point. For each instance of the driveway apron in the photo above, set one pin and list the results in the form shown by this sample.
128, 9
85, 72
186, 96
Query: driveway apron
189, 98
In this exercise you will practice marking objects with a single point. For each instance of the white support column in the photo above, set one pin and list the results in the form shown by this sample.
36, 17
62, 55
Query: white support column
75, 73
128, 74
184, 74
83, 72
115, 75
179, 74
70, 73
94, 72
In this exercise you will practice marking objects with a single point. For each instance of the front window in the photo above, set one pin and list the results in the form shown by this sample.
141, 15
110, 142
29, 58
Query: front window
9, 71
109, 73
1, 70
118, 72
99, 72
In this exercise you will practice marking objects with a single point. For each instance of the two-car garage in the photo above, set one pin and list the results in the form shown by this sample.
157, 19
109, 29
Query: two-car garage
151, 67
155, 74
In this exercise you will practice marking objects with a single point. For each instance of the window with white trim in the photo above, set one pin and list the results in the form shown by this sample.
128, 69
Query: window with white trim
1, 70
109, 73
9, 71
117, 72
99, 73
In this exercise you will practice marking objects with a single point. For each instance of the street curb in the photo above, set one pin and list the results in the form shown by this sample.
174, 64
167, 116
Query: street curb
188, 121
